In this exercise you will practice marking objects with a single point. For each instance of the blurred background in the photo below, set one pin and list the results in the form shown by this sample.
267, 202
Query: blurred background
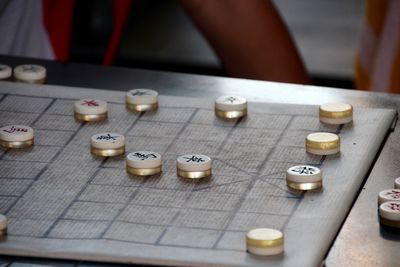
160, 36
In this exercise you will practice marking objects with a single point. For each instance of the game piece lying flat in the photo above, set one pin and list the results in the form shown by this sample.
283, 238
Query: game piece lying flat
107, 144
230, 107
5, 72
139, 100
323, 143
30, 74
389, 195
16, 136
193, 166
336, 113
397, 183
90, 110
389, 214
143, 163
264, 242
304, 177
3, 225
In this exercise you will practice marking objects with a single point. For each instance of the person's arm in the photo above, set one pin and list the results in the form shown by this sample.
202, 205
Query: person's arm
249, 37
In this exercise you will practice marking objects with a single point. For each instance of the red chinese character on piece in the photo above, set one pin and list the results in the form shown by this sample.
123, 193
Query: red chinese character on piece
394, 194
90, 103
16, 129
394, 206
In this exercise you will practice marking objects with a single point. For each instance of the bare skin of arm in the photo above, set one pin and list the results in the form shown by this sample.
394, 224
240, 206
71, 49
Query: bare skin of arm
250, 39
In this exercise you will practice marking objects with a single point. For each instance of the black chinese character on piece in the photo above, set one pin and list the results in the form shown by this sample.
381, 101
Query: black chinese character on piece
139, 93
194, 159
304, 170
231, 99
107, 137
145, 156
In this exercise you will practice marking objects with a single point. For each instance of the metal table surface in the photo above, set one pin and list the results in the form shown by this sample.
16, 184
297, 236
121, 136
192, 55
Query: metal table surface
360, 242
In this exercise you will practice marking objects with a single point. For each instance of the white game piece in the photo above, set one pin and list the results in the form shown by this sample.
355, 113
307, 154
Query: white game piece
16, 136
397, 183
389, 195
90, 110
5, 72
335, 113
193, 166
389, 214
107, 144
304, 177
3, 225
143, 163
30, 73
323, 143
230, 107
264, 242
139, 100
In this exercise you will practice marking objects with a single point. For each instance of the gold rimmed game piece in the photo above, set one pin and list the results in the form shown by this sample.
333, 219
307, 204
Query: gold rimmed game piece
230, 107
141, 107
139, 100
193, 166
304, 177
143, 163
336, 113
322, 143
107, 144
90, 110
264, 242
16, 136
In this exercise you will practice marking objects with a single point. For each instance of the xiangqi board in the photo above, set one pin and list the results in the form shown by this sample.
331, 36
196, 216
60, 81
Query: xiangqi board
62, 202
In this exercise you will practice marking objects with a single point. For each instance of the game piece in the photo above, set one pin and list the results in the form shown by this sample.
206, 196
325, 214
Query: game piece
5, 72
193, 166
397, 183
335, 113
30, 74
90, 110
264, 242
107, 144
139, 100
389, 195
304, 177
389, 214
323, 143
16, 136
3, 225
230, 107
143, 163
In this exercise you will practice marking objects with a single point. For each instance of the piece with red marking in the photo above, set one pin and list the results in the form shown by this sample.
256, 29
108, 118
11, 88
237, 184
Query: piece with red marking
90, 110
16, 136
389, 214
389, 195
